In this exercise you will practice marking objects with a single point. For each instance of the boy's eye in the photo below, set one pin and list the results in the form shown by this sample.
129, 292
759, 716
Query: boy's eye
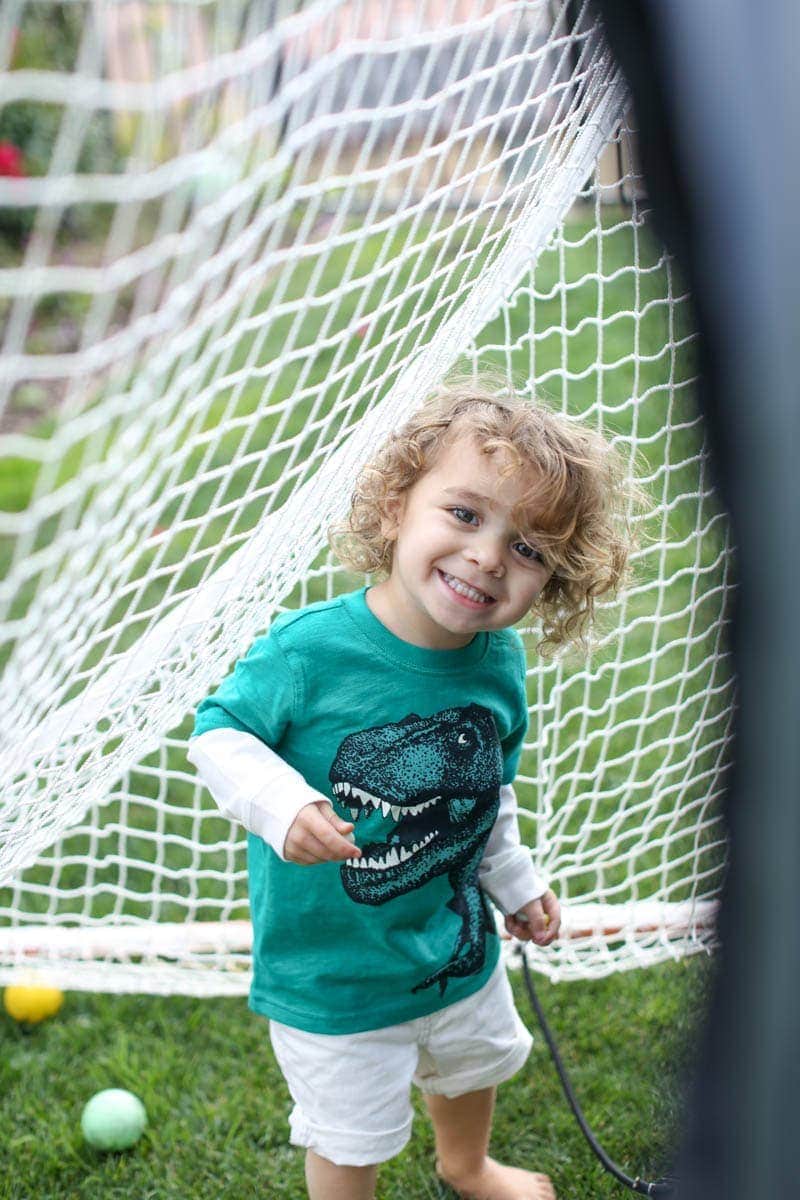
464, 514
529, 552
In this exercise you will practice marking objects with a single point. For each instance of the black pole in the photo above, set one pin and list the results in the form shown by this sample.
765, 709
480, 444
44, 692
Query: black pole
713, 83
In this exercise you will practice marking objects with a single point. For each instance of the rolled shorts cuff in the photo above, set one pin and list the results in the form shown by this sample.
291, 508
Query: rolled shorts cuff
348, 1148
476, 1079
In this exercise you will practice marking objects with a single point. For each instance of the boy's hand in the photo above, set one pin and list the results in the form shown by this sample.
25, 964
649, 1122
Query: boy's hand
538, 921
317, 835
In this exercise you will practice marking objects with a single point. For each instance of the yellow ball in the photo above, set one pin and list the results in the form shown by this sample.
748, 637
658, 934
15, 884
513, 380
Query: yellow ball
32, 1002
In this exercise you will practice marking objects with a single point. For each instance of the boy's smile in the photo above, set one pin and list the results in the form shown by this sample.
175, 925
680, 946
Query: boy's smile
460, 564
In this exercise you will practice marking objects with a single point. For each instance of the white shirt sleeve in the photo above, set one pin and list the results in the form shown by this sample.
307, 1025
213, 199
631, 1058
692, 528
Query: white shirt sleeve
251, 783
507, 872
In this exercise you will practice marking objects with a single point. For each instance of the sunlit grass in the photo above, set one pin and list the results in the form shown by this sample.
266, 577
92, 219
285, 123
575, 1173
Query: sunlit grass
218, 1106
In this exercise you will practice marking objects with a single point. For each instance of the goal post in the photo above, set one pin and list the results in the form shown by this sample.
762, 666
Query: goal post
239, 243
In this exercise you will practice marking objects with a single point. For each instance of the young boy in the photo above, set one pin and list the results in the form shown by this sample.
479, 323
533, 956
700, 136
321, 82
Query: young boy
374, 738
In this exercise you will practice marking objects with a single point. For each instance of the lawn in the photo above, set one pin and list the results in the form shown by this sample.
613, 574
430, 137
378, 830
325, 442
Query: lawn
218, 1107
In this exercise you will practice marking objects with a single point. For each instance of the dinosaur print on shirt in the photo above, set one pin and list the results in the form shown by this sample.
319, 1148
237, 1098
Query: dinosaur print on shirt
438, 778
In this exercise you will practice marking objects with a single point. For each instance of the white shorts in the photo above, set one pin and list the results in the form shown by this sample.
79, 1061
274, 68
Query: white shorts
352, 1092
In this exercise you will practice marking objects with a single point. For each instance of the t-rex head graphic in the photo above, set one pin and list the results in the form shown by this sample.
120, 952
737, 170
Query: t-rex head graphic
437, 780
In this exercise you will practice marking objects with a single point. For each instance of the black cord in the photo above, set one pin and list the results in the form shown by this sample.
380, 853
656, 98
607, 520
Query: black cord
661, 1187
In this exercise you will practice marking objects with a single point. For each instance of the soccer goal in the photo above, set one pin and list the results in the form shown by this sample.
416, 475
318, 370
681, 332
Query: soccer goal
240, 241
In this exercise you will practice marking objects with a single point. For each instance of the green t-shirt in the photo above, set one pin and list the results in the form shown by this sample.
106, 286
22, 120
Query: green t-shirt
414, 744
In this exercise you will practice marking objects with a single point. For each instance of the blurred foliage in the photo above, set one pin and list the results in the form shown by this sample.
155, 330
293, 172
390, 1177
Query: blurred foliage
49, 38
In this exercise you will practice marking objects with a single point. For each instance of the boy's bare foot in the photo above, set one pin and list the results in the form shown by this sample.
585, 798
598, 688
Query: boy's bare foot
496, 1182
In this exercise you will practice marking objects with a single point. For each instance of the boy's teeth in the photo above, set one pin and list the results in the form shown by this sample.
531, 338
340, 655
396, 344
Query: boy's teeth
464, 589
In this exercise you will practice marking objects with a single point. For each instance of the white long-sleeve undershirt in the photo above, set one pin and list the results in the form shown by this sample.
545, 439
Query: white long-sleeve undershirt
254, 786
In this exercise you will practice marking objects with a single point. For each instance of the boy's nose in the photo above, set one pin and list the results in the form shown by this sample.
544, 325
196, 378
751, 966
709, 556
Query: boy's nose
487, 556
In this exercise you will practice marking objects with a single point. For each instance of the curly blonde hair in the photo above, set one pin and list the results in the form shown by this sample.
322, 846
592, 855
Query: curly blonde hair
576, 510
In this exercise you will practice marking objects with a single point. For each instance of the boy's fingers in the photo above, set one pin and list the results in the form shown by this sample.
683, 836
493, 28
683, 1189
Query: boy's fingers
538, 922
329, 847
552, 911
318, 835
341, 826
532, 925
329, 831
334, 820
518, 929
553, 931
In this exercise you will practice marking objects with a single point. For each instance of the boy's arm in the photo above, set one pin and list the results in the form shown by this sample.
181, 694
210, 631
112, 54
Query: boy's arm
509, 877
256, 787
507, 872
234, 731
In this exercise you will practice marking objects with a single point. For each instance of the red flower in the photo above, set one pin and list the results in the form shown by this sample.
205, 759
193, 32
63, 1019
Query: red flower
11, 160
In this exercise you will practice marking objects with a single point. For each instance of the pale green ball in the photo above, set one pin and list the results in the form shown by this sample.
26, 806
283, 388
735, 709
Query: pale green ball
113, 1119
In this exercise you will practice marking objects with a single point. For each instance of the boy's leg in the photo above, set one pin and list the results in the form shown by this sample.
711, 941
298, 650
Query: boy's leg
463, 1126
327, 1181
352, 1103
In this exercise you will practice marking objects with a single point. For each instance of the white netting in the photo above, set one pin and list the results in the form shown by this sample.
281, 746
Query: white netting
254, 236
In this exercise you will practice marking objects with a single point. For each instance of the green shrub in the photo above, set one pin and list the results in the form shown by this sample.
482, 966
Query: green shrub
49, 39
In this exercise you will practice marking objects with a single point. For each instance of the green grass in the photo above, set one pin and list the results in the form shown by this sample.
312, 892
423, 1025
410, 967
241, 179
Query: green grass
218, 1106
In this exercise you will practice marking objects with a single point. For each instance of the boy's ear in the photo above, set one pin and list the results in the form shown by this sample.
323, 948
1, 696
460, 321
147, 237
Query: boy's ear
391, 516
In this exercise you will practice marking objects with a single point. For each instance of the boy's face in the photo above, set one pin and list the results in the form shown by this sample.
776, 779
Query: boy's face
460, 564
